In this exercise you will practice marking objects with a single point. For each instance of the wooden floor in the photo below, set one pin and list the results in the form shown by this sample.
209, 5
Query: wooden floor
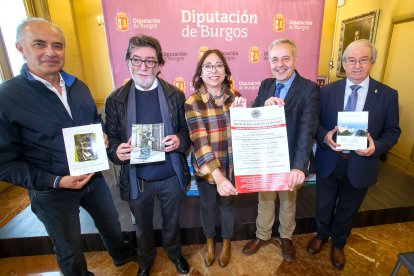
370, 251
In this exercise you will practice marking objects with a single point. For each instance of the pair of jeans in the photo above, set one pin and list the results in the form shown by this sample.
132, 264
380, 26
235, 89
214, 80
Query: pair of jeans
169, 194
58, 210
209, 200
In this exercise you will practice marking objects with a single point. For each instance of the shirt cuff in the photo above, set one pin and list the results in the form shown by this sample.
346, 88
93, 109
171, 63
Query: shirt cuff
56, 182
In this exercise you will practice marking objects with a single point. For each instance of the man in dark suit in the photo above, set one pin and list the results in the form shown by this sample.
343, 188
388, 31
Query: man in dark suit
343, 177
300, 97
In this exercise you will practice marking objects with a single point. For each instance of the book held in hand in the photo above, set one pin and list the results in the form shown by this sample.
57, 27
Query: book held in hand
352, 130
85, 149
146, 143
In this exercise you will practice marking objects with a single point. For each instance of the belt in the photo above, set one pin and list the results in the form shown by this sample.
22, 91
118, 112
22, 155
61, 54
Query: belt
344, 156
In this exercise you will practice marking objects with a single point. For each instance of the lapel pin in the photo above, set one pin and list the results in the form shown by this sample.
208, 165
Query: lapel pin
376, 91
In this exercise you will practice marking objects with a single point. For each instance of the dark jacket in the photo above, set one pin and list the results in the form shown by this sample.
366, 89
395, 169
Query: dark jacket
118, 130
301, 112
383, 126
32, 150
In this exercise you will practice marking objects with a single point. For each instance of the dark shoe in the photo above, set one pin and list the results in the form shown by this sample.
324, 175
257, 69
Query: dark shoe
181, 265
209, 254
338, 257
253, 246
143, 272
132, 257
224, 257
288, 249
315, 245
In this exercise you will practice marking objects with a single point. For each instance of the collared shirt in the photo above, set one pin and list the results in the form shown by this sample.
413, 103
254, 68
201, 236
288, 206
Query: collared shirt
153, 86
63, 97
362, 93
285, 89
209, 127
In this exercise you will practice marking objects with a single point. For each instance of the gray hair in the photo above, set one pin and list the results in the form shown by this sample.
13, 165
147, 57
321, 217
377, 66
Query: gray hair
20, 33
145, 41
285, 41
360, 43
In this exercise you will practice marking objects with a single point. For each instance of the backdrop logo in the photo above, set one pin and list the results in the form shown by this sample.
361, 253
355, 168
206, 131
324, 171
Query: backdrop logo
201, 51
179, 83
122, 23
254, 54
278, 23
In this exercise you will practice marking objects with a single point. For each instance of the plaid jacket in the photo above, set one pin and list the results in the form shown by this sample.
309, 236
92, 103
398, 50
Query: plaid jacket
209, 127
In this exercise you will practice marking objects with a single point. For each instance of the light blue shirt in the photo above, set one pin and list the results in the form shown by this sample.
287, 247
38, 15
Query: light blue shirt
285, 89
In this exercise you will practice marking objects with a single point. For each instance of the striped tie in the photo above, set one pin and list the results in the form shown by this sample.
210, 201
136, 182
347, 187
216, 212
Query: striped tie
352, 99
279, 87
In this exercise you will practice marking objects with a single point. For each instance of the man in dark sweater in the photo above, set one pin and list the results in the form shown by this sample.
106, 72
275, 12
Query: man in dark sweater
34, 107
147, 99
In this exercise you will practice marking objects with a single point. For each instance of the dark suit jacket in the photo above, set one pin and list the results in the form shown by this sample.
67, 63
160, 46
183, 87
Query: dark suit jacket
301, 111
383, 125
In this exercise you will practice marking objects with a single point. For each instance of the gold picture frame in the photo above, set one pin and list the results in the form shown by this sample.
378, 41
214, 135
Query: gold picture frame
363, 26
322, 80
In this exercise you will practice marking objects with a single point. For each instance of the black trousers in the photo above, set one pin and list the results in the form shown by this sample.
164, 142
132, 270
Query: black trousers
58, 210
169, 194
210, 199
337, 202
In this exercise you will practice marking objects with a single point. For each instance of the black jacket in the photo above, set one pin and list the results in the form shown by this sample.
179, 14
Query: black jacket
32, 150
116, 128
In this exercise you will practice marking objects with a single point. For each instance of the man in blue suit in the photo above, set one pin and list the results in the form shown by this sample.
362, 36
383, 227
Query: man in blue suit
300, 98
343, 177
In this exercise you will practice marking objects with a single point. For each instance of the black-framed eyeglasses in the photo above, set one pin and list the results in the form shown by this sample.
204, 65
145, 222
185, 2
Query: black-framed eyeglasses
208, 67
138, 62
362, 61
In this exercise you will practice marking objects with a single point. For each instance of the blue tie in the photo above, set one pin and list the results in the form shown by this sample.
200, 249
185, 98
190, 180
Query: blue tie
352, 99
279, 87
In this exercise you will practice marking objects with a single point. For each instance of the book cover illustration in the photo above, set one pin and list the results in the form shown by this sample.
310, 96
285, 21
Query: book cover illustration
85, 149
352, 130
146, 143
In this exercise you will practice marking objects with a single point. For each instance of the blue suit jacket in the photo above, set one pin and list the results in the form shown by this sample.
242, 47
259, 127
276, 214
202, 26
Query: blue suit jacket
301, 111
383, 125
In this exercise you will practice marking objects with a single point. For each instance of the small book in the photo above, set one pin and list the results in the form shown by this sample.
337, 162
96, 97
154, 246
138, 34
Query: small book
352, 130
146, 142
85, 149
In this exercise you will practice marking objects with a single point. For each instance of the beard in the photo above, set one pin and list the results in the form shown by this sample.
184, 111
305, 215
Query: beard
144, 82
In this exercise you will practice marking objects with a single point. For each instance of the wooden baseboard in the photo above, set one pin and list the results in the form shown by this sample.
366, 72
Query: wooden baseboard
401, 163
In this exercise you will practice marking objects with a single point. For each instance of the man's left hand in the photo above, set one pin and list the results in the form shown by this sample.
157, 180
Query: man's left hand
171, 142
368, 151
296, 178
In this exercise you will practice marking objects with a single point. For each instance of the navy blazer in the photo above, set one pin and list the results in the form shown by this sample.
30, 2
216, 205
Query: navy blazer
383, 125
301, 111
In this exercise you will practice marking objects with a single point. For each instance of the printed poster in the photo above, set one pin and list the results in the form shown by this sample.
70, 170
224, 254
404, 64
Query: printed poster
260, 149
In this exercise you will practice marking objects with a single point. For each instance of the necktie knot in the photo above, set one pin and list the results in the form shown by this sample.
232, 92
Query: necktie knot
355, 87
279, 87
352, 99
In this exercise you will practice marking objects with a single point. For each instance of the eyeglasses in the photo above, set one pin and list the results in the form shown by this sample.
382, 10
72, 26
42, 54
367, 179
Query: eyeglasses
138, 62
362, 61
208, 67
